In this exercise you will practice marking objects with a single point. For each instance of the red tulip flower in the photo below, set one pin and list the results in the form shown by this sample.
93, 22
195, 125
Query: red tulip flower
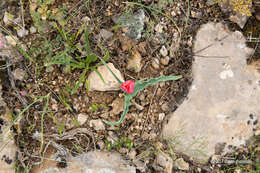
128, 86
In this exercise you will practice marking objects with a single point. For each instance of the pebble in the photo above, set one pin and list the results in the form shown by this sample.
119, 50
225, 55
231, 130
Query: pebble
257, 132
164, 161
161, 116
181, 164
6, 19
32, 30
101, 144
156, 63
10, 40
54, 107
22, 32
82, 118
173, 13
164, 51
97, 124
132, 154
165, 61
19, 74
165, 107
158, 28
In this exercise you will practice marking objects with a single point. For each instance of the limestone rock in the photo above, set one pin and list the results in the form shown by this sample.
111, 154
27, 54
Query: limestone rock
7, 143
95, 83
224, 96
19, 74
135, 62
240, 11
97, 124
164, 161
181, 164
94, 162
132, 25
163, 51
117, 106
82, 118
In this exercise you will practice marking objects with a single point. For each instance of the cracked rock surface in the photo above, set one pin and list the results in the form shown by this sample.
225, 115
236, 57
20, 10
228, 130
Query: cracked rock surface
222, 108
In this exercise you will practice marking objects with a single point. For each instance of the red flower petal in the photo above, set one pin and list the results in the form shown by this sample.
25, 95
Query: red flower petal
128, 86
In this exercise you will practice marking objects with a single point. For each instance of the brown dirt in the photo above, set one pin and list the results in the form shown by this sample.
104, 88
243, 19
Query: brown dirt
141, 126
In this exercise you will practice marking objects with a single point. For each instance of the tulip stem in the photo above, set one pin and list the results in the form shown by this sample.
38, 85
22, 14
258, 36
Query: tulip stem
118, 80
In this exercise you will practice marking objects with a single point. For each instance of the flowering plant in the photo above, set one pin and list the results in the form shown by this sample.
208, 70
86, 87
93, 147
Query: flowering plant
132, 88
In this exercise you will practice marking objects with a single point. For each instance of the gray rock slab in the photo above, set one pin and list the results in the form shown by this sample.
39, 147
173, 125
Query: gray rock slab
93, 162
224, 100
7, 143
133, 24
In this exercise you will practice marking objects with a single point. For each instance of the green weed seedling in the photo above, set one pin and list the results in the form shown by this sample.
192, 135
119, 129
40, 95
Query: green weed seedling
86, 63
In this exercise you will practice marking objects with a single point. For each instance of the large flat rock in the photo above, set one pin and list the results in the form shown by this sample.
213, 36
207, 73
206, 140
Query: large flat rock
90, 162
223, 104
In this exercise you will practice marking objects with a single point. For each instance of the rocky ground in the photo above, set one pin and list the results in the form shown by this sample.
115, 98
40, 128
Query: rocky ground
52, 109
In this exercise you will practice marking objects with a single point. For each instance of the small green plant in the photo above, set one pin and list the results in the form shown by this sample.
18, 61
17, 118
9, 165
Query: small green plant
86, 63
95, 107
120, 143
131, 89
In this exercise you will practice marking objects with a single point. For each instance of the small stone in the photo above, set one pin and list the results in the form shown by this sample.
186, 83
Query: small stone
82, 118
142, 97
97, 124
181, 164
135, 62
96, 84
85, 19
117, 106
132, 154
158, 28
161, 116
164, 51
22, 32
132, 25
156, 63
7, 18
10, 40
54, 107
32, 30
165, 61
105, 34
139, 107
165, 107
19, 74
101, 144
173, 13
195, 14
257, 132
142, 48
164, 161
